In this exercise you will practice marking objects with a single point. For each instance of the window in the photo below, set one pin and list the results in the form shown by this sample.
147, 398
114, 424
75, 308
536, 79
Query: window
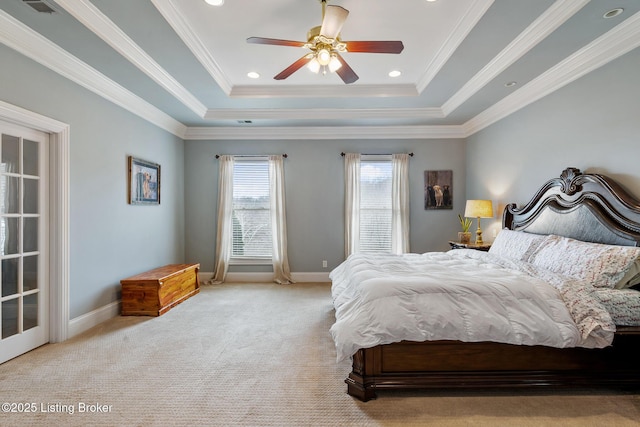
252, 235
375, 204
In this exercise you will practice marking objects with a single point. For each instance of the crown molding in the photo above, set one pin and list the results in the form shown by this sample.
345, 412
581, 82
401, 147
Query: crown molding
17, 36
459, 33
611, 45
107, 30
323, 133
319, 91
546, 23
323, 113
171, 14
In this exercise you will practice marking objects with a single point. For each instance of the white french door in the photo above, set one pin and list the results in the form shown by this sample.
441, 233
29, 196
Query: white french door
24, 285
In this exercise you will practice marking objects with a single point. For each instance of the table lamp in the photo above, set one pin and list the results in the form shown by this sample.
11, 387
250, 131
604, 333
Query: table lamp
479, 209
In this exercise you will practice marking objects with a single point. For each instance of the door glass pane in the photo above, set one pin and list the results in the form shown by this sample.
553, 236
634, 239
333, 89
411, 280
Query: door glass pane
30, 235
30, 196
30, 273
23, 192
10, 154
10, 187
30, 312
9, 276
9, 318
30, 149
9, 236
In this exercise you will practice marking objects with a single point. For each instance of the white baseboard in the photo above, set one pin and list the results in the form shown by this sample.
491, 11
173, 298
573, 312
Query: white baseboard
310, 277
302, 277
87, 321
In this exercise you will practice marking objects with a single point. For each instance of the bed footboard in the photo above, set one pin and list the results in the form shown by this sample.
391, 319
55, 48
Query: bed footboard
452, 364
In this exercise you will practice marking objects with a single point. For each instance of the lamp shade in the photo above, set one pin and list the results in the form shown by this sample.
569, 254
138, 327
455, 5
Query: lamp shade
479, 209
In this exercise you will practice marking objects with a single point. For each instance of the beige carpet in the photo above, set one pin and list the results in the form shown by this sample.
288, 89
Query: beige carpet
253, 355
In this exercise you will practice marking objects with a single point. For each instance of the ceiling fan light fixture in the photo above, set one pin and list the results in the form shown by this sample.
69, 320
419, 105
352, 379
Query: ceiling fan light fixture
325, 46
314, 66
323, 56
214, 2
334, 64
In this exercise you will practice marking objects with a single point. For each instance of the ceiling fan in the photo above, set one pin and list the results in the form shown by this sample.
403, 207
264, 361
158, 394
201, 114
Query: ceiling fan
326, 46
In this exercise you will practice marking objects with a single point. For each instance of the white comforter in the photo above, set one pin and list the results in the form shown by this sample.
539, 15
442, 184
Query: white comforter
462, 295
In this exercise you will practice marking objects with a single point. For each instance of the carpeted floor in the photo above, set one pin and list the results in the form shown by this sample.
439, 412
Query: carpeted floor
252, 355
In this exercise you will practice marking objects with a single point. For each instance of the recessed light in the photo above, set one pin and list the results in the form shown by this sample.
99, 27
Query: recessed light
253, 75
510, 84
215, 2
613, 12
395, 73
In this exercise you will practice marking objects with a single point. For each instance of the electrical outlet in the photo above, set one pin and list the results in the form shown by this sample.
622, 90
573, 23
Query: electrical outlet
324, 263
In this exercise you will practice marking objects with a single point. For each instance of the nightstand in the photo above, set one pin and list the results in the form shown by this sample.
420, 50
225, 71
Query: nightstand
457, 245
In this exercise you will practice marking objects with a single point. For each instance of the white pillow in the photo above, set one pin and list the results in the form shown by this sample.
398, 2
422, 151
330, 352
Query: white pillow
622, 304
515, 244
603, 266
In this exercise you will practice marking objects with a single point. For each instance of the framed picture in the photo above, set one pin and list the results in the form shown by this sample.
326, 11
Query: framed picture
144, 182
438, 189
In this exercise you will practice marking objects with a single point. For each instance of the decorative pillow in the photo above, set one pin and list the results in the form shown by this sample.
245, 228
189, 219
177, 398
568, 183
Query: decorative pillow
631, 278
603, 266
515, 244
622, 304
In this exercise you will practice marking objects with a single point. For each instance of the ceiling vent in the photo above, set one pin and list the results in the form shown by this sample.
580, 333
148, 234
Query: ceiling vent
39, 6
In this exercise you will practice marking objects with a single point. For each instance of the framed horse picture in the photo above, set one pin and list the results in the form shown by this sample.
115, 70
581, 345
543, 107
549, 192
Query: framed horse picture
144, 182
438, 189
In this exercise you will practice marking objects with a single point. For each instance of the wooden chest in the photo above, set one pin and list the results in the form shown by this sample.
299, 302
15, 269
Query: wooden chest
155, 292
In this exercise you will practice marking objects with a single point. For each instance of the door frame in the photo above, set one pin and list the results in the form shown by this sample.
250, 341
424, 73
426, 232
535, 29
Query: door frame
58, 227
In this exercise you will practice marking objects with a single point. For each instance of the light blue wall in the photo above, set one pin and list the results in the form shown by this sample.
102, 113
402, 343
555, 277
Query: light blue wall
110, 240
592, 124
315, 195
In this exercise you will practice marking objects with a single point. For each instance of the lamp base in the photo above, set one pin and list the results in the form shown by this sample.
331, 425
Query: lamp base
479, 234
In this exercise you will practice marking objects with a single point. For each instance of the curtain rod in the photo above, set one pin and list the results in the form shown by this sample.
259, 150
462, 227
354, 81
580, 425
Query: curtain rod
364, 154
251, 155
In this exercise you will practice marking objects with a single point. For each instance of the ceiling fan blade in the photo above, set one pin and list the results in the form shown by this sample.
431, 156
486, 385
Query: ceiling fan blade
345, 72
375, 46
334, 17
293, 67
276, 42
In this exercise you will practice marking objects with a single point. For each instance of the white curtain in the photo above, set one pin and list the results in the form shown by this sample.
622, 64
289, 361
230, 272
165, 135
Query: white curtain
400, 204
352, 203
225, 214
281, 273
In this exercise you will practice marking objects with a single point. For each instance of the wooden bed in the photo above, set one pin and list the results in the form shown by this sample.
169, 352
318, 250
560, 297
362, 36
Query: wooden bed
587, 207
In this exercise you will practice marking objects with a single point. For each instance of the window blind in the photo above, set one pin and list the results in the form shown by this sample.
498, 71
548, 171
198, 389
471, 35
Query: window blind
375, 205
251, 210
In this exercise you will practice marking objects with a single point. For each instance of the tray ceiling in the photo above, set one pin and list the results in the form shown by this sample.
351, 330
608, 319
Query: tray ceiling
183, 64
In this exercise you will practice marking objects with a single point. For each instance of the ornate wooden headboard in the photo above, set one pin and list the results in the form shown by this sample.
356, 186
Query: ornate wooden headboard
588, 207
